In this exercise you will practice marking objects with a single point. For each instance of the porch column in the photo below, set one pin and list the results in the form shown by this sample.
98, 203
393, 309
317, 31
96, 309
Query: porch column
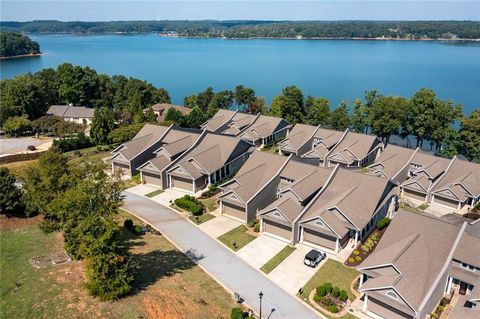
459, 205
209, 180
193, 186
365, 303
361, 281
221, 207
356, 237
141, 177
169, 181
449, 284
336, 245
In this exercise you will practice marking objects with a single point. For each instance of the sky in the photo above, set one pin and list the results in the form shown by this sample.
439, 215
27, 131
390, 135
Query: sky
109, 10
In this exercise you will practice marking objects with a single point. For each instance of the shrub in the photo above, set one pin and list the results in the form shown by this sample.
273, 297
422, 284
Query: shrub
128, 224
351, 259
327, 301
382, 223
138, 229
190, 203
99, 148
256, 228
343, 295
252, 223
72, 143
77, 153
356, 252
136, 178
472, 215
333, 309
335, 292
124, 133
17, 125
317, 298
440, 308
321, 291
434, 316
236, 313
358, 258
328, 287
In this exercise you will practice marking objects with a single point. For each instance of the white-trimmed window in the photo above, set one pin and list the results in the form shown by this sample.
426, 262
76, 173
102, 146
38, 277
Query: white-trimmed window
392, 295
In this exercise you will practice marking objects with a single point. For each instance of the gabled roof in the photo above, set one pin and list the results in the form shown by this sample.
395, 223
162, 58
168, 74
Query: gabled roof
328, 137
429, 163
262, 127
466, 248
71, 111
212, 153
298, 136
287, 206
392, 160
220, 118
309, 184
462, 178
163, 108
419, 247
238, 122
349, 200
253, 176
353, 147
146, 137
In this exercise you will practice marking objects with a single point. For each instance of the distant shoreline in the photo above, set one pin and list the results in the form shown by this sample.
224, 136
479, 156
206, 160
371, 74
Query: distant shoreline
253, 38
20, 56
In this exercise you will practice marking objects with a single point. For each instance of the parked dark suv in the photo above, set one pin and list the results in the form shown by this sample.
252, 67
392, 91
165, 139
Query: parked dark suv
314, 257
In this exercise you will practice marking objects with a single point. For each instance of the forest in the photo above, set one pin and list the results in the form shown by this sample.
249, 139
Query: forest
15, 44
123, 104
262, 29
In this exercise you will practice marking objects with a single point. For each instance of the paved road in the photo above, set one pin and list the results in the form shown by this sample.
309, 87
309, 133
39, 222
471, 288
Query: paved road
218, 261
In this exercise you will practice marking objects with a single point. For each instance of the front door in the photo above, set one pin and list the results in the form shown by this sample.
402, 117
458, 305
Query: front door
463, 288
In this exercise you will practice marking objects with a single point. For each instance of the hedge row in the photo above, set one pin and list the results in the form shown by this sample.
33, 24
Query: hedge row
190, 203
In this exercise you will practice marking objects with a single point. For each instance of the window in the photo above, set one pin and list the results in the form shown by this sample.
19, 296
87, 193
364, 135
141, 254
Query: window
392, 295
467, 266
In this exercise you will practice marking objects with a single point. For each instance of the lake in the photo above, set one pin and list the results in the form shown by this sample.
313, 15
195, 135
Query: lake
336, 69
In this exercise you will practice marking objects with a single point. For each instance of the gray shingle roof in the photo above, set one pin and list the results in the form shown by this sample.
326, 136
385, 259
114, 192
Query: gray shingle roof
68, 111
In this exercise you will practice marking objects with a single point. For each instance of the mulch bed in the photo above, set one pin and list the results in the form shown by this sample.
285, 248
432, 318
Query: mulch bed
361, 252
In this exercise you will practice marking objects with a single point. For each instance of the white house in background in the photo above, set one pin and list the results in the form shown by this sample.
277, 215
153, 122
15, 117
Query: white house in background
77, 114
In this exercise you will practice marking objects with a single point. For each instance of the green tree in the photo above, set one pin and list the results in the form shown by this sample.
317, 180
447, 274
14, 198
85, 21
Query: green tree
244, 97
195, 118
42, 184
175, 116
17, 126
102, 125
469, 136
150, 116
203, 99
124, 133
46, 124
318, 113
221, 100
386, 116
11, 195
418, 117
12, 44
289, 105
190, 101
257, 107
339, 119
360, 117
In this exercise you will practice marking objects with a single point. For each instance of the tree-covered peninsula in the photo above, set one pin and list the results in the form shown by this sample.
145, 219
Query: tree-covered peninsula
15, 44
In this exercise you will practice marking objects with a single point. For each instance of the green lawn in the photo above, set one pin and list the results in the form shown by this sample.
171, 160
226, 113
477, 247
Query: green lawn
337, 274
154, 193
168, 284
201, 219
277, 259
237, 235
334, 272
271, 149
210, 204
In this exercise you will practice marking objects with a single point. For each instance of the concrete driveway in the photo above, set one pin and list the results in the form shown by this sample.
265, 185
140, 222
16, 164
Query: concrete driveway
168, 195
218, 261
218, 225
261, 250
141, 189
292, 274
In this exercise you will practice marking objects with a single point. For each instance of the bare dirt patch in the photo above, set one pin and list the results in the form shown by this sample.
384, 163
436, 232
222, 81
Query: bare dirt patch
17, 223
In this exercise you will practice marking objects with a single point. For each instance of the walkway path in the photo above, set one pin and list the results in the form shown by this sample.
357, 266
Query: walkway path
218, 261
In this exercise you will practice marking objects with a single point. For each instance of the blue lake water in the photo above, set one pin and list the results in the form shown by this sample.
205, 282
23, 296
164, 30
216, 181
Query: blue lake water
336, 69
